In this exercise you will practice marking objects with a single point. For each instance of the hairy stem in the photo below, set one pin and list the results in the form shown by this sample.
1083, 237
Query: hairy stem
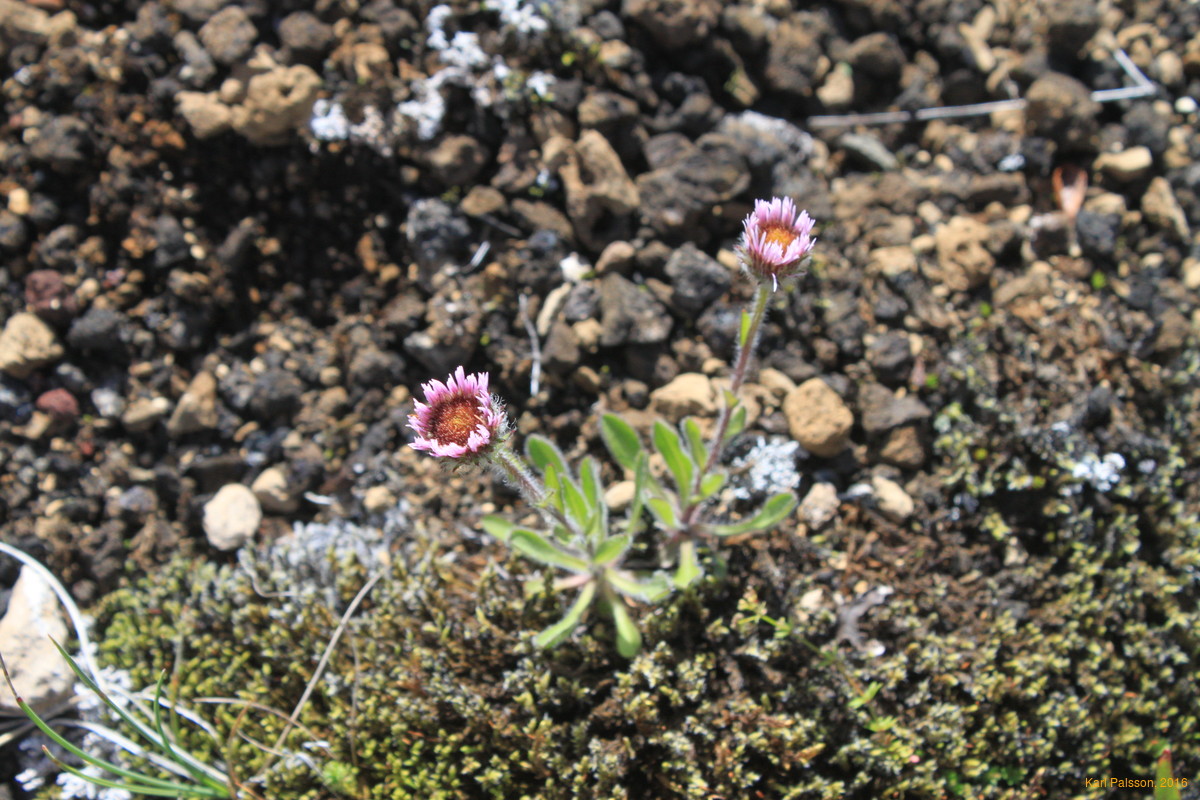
741, 366
514, 468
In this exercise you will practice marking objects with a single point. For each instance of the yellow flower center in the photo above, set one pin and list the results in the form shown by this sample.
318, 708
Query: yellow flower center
453, 420
782, 235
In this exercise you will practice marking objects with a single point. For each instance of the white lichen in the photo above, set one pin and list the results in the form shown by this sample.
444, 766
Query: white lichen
1102, 474
769, 467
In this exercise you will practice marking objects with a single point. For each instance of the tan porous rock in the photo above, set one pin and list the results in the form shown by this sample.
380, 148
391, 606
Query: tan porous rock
818, 418
688, 394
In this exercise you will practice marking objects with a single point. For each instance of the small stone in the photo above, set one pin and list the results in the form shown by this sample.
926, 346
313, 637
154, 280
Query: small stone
689, 394
893, 502
197, 408
881, 410
619, 496
48, 296
963, 259
277, 104
890, 357
273, 491
205, 113
27, 344
1060, 108
304, 35
231, 517
60, 404
819, 506
837, 93
378, 499
904, 448
228, 35
818, 418
618, 256
696, 279
868, 150
38, 670
1131, 164
778, 383
629, 315
1161, 208
456, 160
143, 413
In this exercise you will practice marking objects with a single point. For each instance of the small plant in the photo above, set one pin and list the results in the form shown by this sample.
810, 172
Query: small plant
461, 421
194, 777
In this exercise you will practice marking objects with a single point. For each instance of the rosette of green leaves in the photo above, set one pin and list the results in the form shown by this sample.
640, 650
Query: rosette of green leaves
676, 506
581, 542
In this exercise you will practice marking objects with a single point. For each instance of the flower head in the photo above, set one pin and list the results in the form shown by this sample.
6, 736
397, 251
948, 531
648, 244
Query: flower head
458, 419
775, 239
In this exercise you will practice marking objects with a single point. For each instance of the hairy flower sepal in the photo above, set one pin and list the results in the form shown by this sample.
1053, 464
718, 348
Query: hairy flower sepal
459, 419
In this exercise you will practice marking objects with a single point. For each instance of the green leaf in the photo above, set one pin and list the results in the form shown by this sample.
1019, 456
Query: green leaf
589, 480
621, 439
560, 630
542, 453
640, 473
650, 589
744, 330
737, 422
611, 549
577, 506
664, 512
535, 546
629, 638
593, 492
666, 442
691, 429
497, 527
688, 570
867, 696
711, 484
1166, 786
774, 510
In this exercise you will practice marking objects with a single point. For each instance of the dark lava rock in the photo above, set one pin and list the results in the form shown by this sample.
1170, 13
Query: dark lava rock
1070, 24
877, 56
1097, 234
674, 198
436, 234
891, 358
674, 25
65, 143
792, 55
881, 411
394, 23
560, 353
56, 250
1061, 108
275, 395
1145, 126
234, 253
304, 36
48, 296
605, 109
171, 246
13, 234
15, 399
844, 325
229, 35
629, 315
1000, 187
696, 279
99, 330
582, 303
372, 367
457, 159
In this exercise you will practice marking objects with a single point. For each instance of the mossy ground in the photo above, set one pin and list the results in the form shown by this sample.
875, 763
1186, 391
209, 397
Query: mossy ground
1023, 681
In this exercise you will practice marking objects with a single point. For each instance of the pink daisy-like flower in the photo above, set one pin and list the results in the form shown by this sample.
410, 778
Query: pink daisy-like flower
458, 418
775, 239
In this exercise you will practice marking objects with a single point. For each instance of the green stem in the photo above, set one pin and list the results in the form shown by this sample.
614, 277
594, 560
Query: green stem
512, 465
741, 367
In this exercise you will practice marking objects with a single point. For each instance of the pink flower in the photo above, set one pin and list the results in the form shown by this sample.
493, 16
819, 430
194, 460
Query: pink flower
775, 239
458, 418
